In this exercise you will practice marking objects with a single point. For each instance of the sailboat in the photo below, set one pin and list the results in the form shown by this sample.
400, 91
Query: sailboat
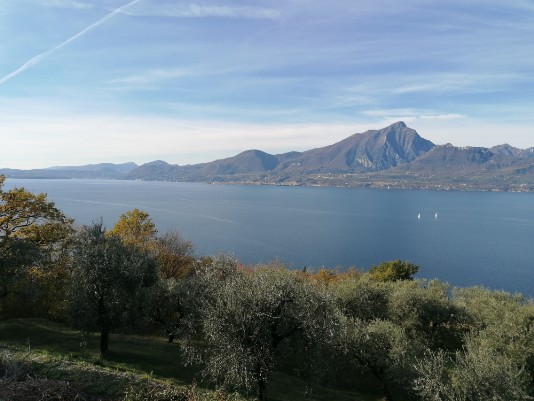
436, 215
419, 216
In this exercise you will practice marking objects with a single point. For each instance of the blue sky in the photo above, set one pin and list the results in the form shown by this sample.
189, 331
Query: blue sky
86, 81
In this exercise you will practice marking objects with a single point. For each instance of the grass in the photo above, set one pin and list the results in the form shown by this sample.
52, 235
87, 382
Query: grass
62, 353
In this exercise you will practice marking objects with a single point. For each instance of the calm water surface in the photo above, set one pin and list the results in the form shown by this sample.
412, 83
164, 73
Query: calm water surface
477, 237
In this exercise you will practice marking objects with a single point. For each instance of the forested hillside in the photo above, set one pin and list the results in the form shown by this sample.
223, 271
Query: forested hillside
128, 313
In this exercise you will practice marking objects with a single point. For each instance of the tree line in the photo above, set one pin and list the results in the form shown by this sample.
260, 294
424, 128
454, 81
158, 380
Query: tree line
416, 339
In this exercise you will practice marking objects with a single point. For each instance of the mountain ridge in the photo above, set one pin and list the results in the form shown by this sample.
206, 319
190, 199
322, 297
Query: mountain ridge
99, 170
394, 156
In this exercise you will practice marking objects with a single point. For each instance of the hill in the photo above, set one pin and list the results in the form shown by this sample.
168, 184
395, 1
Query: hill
101, 170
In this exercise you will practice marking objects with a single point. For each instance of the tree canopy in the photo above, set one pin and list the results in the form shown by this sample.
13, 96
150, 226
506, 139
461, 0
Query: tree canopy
135, 227
248, 319
108, 282
394, 270
33, 237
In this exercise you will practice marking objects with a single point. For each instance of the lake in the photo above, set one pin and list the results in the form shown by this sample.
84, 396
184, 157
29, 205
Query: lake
464, 238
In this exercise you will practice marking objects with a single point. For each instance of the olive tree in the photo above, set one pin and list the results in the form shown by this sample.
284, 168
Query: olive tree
476, 373
497, 359
108, 282
164, 305
388, 324
362, 298
427, 312
246, 319
385, 350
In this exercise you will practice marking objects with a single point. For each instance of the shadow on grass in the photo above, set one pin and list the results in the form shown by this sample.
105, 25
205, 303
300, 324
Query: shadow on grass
150, 356
133, 358
144, 355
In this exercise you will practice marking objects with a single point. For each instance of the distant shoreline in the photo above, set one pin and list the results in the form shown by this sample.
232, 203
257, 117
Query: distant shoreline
368, 184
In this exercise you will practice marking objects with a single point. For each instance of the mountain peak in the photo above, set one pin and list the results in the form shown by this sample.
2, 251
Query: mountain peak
157, 163
510, 151
398, 125
369, 151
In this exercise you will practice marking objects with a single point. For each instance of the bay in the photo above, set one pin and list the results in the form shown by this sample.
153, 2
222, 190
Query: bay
477, 238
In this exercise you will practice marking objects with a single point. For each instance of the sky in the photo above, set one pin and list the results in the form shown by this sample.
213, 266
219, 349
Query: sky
91, 81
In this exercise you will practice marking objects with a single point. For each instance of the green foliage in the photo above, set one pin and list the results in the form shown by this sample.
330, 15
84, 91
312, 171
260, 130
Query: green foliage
385, 349
108, 282
362, 298
502, 323
487, 307
164, 305
496, 361
394, 270
34, 235
28, 216
135, 228
247, 317
475, 374
175, 255
426, 312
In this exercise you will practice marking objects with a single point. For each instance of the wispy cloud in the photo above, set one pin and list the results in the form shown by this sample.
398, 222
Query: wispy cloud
66, 4
412, 114
459, 83
432, 86
199, 11
37, 59
426, 119
150, 77
450, 116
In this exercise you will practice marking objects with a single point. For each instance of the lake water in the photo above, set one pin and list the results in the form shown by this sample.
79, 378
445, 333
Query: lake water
477, 238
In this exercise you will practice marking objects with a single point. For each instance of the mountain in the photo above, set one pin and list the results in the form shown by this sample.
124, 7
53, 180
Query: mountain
395, 156
123, 168
245, 162
449, 167
507, 150
371, 151
155, 171
448, 160
102, 170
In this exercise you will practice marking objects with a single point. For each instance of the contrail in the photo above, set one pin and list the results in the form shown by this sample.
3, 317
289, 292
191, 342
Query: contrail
37, 59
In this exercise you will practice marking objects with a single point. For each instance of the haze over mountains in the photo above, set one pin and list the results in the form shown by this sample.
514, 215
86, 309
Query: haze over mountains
395, 156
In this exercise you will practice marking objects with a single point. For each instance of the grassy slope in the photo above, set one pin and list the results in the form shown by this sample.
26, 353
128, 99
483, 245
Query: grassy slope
131, 358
